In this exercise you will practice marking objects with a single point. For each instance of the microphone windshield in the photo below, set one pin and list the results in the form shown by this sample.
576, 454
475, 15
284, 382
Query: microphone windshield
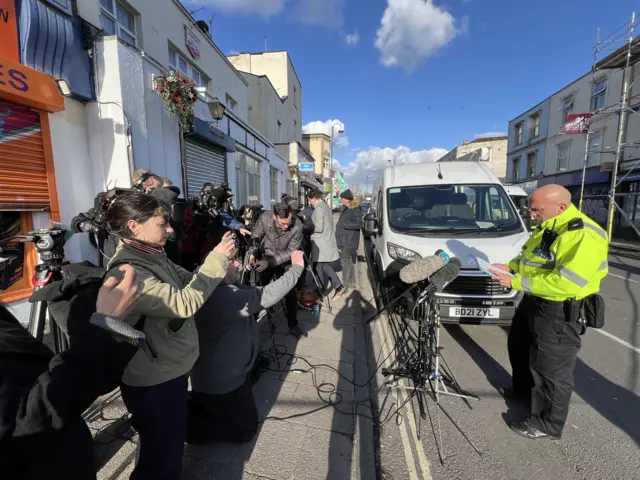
445, 275
421, 269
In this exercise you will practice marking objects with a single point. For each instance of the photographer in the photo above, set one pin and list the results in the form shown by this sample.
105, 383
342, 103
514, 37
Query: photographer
221, 405
280, 235
42, 396
155, 381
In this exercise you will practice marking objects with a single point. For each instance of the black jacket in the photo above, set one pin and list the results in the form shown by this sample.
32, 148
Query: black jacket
42, 397
348, 227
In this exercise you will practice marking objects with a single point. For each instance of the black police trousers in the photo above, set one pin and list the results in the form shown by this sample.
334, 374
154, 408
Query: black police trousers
543, 348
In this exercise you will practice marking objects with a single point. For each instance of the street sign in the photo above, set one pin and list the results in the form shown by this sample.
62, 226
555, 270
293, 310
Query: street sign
305, 167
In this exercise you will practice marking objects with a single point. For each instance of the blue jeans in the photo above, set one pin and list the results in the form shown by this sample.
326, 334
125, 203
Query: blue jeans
159, 414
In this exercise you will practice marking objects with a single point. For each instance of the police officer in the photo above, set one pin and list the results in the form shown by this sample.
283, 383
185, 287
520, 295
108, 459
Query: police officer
561, 264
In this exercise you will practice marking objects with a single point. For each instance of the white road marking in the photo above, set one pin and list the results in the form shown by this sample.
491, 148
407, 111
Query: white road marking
623, 278
616, 339
424, 463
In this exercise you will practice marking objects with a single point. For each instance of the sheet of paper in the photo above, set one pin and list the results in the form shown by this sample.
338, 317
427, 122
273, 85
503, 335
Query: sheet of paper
486, 266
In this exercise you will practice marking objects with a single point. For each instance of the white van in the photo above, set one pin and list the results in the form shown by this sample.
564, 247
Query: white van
461, 208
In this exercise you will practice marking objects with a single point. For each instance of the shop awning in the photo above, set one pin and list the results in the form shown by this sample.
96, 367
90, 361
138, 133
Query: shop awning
209, 133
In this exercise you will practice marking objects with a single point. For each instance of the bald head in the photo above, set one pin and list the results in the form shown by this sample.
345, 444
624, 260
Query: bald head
549, 201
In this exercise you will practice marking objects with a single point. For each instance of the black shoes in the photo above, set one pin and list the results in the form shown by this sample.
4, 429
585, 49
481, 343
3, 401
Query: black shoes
508, 393
530, 432
297, 332
339, 292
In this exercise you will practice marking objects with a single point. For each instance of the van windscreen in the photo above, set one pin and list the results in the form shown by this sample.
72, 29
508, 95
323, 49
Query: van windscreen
468, 208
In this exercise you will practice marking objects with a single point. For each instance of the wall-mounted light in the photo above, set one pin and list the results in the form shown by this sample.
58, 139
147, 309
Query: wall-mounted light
216, 109
63, 87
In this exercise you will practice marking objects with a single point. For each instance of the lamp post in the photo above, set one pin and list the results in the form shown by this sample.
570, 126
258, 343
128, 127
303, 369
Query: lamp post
216, 109
367, 190
340, 132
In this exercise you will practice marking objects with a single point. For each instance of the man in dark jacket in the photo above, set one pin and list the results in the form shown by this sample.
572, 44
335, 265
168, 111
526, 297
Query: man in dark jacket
42, 396
280, 234
348, 237
221, 405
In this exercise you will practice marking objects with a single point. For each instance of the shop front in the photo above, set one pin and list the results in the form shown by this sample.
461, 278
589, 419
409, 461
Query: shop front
28, 196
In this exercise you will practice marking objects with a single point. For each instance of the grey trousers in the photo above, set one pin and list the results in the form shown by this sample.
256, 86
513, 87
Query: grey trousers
348, 260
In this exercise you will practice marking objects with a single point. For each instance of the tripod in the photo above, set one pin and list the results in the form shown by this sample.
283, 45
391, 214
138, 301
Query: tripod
49, 244
427, 370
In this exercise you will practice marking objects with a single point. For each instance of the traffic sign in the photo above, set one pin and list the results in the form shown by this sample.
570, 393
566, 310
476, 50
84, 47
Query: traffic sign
305, 167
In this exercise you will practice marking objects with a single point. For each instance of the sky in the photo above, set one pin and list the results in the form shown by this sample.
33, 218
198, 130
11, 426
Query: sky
411, 79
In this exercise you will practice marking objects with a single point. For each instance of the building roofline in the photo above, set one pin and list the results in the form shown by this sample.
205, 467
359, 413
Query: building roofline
488, 139
282, 99
273, 51
209, 40
316, 134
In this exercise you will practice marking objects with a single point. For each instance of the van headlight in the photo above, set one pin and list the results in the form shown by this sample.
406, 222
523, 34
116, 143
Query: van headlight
397, 252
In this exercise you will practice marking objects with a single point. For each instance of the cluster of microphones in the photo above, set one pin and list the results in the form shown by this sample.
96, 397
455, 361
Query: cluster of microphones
438, 270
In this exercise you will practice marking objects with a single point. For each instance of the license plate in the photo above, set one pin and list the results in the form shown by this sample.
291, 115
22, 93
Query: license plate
474, 312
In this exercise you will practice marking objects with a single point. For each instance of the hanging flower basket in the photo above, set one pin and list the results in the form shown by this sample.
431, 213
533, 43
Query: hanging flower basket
293, 172
179, 95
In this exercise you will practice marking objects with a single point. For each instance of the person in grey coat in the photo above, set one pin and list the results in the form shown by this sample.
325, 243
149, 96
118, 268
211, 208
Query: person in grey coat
324, 249
221, 403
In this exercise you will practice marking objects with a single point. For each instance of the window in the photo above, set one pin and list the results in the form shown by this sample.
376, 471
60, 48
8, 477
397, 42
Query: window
563, 156
248, 180
427, 210
594, 148
273, 184
232, 104
534, 125
598, 94
566, 110
116, 19
515, 174
518, 133
178, 63
532, 160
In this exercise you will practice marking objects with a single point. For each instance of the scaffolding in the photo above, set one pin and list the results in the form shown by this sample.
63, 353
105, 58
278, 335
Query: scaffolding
618, 51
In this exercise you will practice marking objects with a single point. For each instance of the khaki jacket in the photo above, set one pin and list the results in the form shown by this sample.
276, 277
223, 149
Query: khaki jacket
170, 292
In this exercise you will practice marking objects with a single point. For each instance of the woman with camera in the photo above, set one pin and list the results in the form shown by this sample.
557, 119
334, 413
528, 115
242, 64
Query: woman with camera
154, 384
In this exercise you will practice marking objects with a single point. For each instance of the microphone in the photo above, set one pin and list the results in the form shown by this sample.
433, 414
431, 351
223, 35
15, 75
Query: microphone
422, 269
121, 331
445, 275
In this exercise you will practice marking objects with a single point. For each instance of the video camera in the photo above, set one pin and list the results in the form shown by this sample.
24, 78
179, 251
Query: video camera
49, 243
211, 199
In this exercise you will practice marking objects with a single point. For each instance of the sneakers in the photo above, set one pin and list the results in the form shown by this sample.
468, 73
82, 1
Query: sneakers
339, 292
529, 431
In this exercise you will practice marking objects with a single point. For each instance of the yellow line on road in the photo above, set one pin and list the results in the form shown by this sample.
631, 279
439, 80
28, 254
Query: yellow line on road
424, 463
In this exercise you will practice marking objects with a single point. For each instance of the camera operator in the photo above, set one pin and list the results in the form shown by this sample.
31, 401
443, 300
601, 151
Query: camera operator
280, 235
42, 396
154, 384
221, 405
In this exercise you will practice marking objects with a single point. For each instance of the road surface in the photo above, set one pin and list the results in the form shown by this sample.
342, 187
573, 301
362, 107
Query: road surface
602, 435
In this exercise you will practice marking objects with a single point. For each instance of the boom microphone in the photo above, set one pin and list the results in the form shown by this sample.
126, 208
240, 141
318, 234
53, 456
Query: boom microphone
445, 275
421, 269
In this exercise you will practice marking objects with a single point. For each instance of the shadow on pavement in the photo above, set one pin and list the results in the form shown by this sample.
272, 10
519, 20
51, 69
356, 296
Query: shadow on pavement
613, 402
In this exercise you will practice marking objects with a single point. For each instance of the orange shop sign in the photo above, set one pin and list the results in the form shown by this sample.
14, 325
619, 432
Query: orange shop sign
29, 87
8, 30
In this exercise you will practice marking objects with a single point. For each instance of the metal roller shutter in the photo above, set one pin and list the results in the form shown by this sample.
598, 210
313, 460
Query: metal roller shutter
24, 183
204, 163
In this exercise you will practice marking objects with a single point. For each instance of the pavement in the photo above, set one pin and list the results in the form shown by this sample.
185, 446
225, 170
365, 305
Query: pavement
602, 435
317, 422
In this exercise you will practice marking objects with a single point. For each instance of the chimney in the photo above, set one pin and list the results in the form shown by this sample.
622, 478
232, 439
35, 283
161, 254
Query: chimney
465, 142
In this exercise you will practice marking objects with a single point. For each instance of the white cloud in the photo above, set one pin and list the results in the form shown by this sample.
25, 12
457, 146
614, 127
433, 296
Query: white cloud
325, 13
490, 134
352, 38
372, 161
339, 140
336, 165
233, 52
412, 31
260, 7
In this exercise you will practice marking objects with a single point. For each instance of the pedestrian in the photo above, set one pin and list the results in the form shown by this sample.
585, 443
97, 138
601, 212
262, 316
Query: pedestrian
154, 384
559, 269
324, 247
348, 237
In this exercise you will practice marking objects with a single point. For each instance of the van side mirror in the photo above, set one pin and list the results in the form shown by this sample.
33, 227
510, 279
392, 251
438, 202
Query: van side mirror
524, 212
370, 224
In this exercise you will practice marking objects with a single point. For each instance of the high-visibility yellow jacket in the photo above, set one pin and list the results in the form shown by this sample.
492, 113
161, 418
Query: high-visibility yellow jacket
576, 264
